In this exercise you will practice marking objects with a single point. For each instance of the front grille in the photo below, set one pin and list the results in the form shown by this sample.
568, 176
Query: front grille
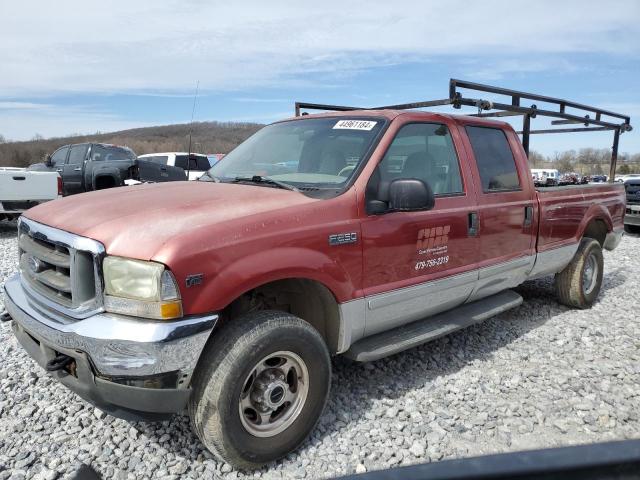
60, 267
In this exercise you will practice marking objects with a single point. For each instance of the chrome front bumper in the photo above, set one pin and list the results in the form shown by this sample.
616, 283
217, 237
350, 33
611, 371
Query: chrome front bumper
115, 355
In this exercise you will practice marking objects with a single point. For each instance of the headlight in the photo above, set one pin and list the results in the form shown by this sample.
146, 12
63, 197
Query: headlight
142, 289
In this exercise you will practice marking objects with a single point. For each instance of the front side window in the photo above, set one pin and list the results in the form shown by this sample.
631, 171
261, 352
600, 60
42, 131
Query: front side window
317, 153
59, 156
424, 151
494, 158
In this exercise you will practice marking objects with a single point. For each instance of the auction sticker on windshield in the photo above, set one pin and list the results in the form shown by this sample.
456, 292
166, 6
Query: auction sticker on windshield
355, 125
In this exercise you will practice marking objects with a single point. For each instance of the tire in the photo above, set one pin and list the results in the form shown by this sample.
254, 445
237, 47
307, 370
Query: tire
228, 380
575, 285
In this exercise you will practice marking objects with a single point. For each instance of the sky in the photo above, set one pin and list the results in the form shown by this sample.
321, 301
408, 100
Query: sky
86, 66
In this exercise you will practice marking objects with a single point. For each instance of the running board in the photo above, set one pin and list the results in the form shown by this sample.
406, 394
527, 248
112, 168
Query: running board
423, 331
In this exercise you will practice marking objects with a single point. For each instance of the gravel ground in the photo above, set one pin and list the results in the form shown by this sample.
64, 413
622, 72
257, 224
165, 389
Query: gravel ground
538, 376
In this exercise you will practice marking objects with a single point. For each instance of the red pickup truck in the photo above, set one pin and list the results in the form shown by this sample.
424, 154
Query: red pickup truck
362, 232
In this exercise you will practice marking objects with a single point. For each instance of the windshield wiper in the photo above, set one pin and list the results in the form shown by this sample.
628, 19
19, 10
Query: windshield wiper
259, 179
207, 174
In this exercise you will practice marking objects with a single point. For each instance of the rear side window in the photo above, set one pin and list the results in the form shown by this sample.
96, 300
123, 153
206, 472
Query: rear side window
77, 154
111, 153
158, 159
495, 160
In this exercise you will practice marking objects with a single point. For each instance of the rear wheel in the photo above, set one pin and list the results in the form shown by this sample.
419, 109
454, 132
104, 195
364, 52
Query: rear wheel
260, 388
578, 285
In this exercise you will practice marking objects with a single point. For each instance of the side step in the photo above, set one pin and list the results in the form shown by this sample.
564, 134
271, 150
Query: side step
423, 331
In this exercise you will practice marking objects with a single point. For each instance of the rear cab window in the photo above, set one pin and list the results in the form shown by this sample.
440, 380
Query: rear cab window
197, 163
494, 158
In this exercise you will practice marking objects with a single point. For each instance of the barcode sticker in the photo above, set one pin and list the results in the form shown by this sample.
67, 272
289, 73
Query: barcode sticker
355, 125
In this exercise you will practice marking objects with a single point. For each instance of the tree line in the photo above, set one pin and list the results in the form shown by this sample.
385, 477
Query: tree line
221, 137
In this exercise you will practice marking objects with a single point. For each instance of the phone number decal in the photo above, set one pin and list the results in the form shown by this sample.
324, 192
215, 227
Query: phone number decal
434, 262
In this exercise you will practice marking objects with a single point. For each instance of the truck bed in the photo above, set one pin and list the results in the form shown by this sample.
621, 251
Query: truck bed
564, 209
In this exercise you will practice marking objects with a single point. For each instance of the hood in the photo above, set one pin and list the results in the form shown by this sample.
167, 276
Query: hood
138, 221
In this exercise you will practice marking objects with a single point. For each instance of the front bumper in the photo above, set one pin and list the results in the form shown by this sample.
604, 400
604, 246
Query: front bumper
131, 368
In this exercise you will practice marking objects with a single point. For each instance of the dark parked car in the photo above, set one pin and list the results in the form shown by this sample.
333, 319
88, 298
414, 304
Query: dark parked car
96, 166
632, 214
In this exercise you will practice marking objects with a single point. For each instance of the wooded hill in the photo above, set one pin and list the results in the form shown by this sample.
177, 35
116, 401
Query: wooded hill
207, 137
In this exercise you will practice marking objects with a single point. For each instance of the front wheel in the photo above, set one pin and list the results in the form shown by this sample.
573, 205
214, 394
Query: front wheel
260, 388
578, 285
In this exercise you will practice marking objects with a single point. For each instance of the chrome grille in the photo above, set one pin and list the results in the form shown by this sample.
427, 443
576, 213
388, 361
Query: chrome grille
60, 270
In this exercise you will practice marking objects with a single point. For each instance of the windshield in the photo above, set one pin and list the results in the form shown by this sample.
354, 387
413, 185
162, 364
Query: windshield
317, 153
104, 152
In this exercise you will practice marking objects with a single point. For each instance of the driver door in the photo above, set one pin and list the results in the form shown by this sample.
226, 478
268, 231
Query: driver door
420, 263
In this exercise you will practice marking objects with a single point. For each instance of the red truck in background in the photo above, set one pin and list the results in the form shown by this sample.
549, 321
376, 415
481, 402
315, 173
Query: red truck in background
355, 232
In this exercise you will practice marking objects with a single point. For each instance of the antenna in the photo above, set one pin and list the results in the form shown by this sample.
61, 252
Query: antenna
193, 111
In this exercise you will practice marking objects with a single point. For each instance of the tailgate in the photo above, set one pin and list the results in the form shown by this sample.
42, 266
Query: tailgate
18, 185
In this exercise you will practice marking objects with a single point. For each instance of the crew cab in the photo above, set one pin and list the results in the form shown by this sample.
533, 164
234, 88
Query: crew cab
21, 189
359, 232
96, 166
193, 163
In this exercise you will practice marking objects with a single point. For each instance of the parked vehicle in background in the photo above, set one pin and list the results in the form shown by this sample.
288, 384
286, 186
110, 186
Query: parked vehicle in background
623, 178
385, 229
215, 158
545, 177
632, 213
194, 163
598, 179
96, 166
21, 189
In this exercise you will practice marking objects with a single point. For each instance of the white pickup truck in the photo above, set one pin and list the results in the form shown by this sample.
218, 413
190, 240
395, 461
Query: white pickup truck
196, 166
21, 189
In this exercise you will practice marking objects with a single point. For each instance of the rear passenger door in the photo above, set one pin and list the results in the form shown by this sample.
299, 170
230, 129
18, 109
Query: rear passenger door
505, 209
420, 263
73, 170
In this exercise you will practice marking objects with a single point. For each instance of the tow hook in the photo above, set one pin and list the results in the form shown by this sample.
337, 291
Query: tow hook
5, 317
60, 362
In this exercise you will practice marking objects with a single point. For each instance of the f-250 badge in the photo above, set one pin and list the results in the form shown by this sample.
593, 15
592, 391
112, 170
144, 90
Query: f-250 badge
343, 238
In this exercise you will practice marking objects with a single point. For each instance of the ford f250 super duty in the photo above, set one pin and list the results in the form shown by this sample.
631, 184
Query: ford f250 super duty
356, 232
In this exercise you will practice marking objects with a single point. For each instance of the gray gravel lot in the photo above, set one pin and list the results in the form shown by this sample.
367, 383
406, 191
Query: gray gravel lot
538, 376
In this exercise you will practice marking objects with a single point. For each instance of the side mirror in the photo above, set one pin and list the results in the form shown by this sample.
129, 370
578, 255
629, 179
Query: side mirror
407, 194
48, 161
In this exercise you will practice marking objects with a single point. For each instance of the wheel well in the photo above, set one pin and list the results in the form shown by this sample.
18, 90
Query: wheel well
597, 229
306, 299
105, 181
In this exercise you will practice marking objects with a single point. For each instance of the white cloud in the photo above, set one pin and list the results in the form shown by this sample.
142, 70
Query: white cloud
162, 47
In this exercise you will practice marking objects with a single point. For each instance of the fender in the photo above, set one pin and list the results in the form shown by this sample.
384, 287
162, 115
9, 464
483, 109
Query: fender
594, 212
261, 268
105, 172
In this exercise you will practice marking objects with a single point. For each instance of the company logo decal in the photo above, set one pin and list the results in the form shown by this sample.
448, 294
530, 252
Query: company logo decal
433, 240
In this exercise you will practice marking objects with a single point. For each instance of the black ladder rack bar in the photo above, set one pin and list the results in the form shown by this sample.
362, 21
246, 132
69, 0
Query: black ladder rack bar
514, 108
455, 83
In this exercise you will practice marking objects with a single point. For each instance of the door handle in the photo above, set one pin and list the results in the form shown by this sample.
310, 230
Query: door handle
528, 216
59, 170
77, 169
472, 226
19, 178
